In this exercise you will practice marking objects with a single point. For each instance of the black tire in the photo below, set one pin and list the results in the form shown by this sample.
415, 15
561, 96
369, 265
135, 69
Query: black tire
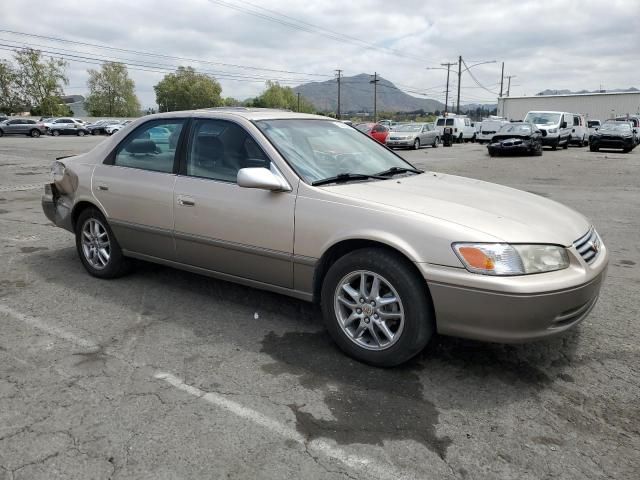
35, 133
419, 321
118, 264
1, 133
55, 133
81, 133
593, 148
94, 132
566, 144
626, 150
416, 144
436, 142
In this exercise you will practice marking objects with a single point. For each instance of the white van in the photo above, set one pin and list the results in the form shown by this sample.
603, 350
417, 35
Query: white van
556, 127
580, 131
462, 129
489, 127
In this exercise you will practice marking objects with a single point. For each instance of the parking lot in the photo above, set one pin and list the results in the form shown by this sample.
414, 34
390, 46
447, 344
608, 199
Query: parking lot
167, 374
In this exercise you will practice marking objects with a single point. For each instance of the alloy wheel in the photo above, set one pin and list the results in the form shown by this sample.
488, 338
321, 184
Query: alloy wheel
96, 245
369, 310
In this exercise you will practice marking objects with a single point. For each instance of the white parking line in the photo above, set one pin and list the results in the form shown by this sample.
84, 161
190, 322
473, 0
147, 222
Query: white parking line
368, 467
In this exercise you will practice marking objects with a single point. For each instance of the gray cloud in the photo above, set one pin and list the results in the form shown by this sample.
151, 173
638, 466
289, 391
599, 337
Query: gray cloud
564, 44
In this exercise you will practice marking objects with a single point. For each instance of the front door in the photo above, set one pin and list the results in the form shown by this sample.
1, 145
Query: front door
135, 188
219, 226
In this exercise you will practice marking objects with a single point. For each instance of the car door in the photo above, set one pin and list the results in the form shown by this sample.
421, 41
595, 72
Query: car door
428, 135
135, 188
220, 226
11, 127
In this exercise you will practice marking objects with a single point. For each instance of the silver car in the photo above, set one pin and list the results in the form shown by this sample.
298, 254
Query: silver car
413, 135
309, 207
22, 126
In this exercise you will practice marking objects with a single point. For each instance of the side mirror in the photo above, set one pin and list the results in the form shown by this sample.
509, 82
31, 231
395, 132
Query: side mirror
563, 125
261, 178
596, 129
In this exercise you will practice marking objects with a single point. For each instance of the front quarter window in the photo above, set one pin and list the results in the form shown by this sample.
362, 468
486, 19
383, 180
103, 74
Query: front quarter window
320, 149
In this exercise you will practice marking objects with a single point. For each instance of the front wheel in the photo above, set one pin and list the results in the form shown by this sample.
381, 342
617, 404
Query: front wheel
97, 247
416, 144
375, 307
593, 148
35, 133
55, 133
81, 133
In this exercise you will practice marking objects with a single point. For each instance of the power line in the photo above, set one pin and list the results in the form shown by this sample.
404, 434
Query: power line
467, 69
311, 28
159, 55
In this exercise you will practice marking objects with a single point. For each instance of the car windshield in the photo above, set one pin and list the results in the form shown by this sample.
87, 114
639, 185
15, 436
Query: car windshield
593, 123
518, 128
321, 149
407, 128
615, 127
543, 118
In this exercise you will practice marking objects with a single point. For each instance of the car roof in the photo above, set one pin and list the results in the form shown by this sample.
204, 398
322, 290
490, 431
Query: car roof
244, 112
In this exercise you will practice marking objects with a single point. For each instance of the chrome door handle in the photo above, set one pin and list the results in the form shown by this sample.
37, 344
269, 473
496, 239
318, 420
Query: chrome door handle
186, 201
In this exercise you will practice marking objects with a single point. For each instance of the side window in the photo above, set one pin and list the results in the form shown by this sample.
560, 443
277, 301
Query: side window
219, 149
151, 147
467, 123
576, 121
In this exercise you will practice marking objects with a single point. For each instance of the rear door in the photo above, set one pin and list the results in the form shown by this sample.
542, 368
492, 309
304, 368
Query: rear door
135, 188
220, 226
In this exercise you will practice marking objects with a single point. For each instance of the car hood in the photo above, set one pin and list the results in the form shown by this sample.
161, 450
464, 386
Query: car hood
504, 213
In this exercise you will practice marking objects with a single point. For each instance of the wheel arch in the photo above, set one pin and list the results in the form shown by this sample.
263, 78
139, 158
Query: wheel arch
80, 207
346, 246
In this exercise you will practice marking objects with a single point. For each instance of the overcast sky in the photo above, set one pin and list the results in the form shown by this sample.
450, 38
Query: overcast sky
576, 45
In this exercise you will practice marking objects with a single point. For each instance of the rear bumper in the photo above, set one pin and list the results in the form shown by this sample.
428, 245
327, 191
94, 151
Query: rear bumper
55, 209
516, 316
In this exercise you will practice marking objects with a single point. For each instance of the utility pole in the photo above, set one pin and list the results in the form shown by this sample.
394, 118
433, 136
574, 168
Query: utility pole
339, 76
502, 79
459, 80
446, 98
298, 102
375, 96
509, 77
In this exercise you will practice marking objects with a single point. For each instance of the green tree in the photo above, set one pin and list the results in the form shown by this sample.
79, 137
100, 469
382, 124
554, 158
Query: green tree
40, 81
231, 102
10, 101
111, 92
277, 96
187, 89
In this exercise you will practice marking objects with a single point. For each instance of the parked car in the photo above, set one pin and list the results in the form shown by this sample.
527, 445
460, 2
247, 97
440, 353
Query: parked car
580, 131
22, 126
3, 117
593, 126
67, 126
99, 127
462, 129
375, 130
306, 206
556, 125
517, 139
635, 125
489, 127
614, 135
115, 127
413, 135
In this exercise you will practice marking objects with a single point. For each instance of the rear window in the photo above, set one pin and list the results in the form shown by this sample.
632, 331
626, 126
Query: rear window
440, 122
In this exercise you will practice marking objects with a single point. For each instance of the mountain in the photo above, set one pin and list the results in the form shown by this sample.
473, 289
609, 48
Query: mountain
357, 96
569, 92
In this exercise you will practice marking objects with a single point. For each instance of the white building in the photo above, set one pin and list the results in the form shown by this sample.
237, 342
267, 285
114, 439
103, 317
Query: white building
601, 106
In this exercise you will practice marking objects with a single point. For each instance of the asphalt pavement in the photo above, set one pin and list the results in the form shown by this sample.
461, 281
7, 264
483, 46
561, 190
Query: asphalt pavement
165, 374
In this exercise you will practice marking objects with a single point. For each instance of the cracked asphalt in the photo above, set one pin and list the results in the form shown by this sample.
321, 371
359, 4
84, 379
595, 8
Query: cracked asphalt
166, 374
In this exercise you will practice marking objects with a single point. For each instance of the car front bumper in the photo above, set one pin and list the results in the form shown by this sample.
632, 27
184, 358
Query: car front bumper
401, 143
514, 309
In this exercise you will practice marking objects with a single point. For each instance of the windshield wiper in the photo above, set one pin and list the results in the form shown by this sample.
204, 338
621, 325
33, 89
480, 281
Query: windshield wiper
347, 177
396, 170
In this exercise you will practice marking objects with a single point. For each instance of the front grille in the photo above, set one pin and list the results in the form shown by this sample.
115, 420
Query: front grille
589, 245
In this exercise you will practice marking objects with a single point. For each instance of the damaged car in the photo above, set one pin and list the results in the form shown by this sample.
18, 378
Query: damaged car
517, 138
309, 207
614, 134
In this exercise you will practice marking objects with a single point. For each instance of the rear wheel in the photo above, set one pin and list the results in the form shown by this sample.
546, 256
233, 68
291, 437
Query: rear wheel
436, 142
416, 144
81, 133
97, 247
35, 133
55, 133
375, 307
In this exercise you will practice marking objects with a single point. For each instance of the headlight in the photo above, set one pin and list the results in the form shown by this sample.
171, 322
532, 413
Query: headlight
57, 171
506, 259
553, 130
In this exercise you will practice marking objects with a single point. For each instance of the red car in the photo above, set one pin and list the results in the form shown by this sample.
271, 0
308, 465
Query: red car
375, 130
